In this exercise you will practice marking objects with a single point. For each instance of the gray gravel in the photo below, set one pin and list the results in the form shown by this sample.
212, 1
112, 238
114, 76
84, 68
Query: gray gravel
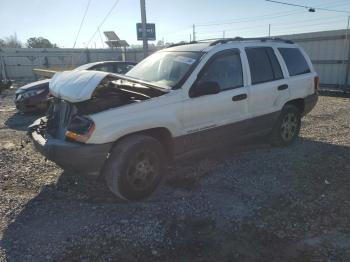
250, 202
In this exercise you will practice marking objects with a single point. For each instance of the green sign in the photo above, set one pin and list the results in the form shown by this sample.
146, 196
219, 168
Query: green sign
150, 30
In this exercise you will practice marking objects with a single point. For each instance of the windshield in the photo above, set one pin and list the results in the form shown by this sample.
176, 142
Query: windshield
164, 69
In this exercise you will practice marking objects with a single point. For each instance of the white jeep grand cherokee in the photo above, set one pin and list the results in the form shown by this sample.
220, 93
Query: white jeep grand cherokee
178, 100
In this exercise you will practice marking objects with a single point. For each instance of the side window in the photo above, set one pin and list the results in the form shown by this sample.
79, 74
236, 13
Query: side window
122, 68
295, 61
104, 68
263, 64
226, 70
276, 67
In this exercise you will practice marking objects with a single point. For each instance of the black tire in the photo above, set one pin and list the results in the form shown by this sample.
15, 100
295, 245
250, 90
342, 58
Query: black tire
287, 127
135, 167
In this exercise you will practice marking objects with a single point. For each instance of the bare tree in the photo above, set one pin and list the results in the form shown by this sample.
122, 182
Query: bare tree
2, 43
11, 41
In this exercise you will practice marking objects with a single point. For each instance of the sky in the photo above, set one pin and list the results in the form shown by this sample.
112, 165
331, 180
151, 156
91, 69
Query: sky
59, 20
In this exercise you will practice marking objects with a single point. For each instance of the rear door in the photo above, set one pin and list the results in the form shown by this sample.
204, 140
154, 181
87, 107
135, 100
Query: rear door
269, 90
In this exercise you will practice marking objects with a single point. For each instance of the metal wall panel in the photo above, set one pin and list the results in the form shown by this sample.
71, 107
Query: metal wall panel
20, 62
329, 52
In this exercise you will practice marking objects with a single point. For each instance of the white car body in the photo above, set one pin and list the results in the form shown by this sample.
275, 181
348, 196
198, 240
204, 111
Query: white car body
189, 121
182, 115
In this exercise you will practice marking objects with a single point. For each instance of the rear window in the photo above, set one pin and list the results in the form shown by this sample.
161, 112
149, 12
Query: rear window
295, 61
263, 65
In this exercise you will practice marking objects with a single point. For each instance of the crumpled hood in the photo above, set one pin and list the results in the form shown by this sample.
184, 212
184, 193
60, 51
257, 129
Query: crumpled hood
34, 85
76, 86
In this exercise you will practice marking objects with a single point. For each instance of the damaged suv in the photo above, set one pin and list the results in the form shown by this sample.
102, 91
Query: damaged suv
178, 100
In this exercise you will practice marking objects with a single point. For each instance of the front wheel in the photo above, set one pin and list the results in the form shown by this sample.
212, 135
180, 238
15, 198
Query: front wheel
287, 127
135, 167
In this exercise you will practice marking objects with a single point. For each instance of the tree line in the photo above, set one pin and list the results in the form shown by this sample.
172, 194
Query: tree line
34, 42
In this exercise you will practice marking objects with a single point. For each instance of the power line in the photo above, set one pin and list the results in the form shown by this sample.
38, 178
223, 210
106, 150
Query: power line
310, 9
261, 17
332, 20
269, 16
81, 23
102, 22
284, 3
98, 28
264, 17
103, 44
279, 25
280, 28
245, 20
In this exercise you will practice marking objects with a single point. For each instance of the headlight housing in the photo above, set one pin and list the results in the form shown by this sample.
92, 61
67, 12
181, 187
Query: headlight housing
80, 128
30, 93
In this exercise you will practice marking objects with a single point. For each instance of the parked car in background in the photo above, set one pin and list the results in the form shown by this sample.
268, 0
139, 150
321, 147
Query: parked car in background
33, 97
176, 101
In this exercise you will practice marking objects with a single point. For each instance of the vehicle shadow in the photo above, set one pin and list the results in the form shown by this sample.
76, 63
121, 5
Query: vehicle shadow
20, 121
335, 93
77, 219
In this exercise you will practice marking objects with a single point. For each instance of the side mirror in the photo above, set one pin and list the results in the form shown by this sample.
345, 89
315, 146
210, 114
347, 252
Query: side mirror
206, 88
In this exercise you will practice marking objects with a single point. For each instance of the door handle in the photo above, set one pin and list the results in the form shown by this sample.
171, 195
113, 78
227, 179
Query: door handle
239, 97
282, 87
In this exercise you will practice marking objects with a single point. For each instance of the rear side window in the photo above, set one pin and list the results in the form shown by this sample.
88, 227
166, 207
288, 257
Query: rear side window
295, 61
263, 64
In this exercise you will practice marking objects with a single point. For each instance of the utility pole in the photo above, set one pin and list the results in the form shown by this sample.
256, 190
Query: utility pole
269, 30
194, 33
223, 34
144, 28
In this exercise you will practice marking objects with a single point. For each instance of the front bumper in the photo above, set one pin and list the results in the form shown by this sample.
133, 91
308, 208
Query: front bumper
82, 158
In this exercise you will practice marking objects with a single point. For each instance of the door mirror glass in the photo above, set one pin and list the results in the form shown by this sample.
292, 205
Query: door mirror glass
207, 88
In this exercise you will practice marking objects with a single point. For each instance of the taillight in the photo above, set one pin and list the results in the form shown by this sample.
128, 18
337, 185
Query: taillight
317, 83
80, 129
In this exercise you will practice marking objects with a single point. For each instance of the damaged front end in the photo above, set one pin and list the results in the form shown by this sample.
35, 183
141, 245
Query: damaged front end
62, 135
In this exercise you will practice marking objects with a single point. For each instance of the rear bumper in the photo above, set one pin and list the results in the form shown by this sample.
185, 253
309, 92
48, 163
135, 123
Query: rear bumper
310, 103
82, 158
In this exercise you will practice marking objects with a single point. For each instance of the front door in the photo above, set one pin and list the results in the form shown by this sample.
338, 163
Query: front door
210, 118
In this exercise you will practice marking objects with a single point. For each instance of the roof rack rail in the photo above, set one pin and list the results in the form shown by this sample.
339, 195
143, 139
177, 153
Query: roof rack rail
216, 41
262, 39
183, 43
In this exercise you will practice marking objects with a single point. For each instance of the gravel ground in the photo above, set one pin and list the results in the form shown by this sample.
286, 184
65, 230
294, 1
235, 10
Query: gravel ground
244, 203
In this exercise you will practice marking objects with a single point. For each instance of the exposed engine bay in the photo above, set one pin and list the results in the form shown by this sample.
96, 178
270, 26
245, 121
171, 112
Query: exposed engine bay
75, 95
113, 93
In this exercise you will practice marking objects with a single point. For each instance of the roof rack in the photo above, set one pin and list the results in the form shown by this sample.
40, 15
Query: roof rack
183, 43
261, 39
216, 41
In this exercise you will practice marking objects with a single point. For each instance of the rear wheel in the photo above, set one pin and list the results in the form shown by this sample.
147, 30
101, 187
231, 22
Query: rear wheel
135, 167
287, 127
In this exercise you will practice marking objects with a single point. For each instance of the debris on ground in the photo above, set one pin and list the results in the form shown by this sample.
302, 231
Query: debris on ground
249, 202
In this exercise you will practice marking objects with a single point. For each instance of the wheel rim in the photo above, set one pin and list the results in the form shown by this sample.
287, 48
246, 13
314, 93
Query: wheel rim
289, 126
142, 170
